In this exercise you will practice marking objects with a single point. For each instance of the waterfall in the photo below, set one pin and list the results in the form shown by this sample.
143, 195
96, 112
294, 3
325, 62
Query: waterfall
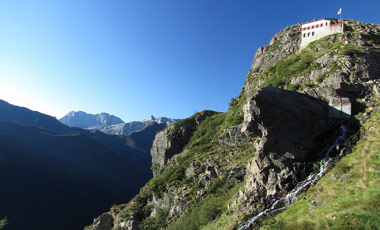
291, 197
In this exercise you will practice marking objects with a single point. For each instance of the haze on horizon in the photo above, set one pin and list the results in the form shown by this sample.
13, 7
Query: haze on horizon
137, 58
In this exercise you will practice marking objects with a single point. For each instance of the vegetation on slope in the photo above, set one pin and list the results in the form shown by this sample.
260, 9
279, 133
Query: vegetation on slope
348, 197
202, 146
301, 64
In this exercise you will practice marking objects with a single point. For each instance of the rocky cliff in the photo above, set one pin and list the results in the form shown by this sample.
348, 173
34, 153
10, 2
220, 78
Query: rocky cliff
218, 173
171, 141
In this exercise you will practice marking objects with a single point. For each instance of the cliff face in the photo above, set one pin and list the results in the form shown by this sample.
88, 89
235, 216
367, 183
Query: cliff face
215, 173
171, 141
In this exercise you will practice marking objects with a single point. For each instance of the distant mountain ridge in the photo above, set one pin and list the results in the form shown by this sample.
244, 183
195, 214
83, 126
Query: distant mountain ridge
85, 120
24, 116
110, 124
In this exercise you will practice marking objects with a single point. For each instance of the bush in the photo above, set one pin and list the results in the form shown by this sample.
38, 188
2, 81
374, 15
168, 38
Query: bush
3, 222
293, 87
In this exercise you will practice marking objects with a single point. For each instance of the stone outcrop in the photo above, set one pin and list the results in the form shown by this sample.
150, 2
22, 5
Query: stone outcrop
288, 129
283, 43
103, 222
233, 137
173, 138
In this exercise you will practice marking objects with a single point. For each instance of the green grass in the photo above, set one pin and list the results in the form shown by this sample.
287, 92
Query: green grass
201, 211
352, 203
235, 114
156, 222
303, 63
281, 73
208, 130
206, 210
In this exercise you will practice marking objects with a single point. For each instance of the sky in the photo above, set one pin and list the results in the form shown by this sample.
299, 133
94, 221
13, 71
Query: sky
134, 58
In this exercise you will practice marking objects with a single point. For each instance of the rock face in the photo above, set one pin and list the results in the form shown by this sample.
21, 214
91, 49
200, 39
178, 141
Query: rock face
285, 121
85, 120
288, 131
103, 222
172, 139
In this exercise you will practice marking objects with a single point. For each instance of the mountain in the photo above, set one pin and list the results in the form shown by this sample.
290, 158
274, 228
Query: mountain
122, 128
24, 116
85, 120
109, 124
51, 173
297, 148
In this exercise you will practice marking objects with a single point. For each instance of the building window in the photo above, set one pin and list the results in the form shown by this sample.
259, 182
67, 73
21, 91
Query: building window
312, 27
321, 24
308, 34
312, 34
304, 35
326, 23
316, 26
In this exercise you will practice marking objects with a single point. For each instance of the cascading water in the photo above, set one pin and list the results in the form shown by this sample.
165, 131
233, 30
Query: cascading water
291, 197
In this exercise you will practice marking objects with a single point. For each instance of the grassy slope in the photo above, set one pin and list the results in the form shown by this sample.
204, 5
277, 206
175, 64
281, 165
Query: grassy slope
203, 144
349, 195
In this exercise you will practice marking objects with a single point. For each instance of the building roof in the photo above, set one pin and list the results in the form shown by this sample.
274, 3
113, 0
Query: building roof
322, 19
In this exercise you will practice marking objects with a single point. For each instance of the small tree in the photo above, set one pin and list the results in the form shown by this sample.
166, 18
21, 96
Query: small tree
3, 222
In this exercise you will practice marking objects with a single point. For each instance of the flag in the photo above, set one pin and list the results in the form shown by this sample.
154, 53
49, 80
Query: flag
339, 11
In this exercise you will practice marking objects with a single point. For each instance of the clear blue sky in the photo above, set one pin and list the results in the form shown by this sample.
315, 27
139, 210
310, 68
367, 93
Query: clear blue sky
136, 58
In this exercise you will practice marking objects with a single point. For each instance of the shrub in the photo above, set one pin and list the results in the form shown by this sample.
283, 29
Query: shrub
3, 222
293, 87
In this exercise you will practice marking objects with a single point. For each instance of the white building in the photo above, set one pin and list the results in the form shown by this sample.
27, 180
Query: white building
340, 107
317, 29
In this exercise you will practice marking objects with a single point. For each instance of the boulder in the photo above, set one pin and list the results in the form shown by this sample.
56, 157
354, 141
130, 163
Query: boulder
103, 222
288, 128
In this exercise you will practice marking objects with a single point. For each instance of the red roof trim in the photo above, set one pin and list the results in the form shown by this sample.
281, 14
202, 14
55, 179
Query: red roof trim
336, 24
322, 19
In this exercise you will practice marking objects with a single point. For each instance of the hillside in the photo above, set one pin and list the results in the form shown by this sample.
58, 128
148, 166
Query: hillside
221, 170
51, 173
24, 116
